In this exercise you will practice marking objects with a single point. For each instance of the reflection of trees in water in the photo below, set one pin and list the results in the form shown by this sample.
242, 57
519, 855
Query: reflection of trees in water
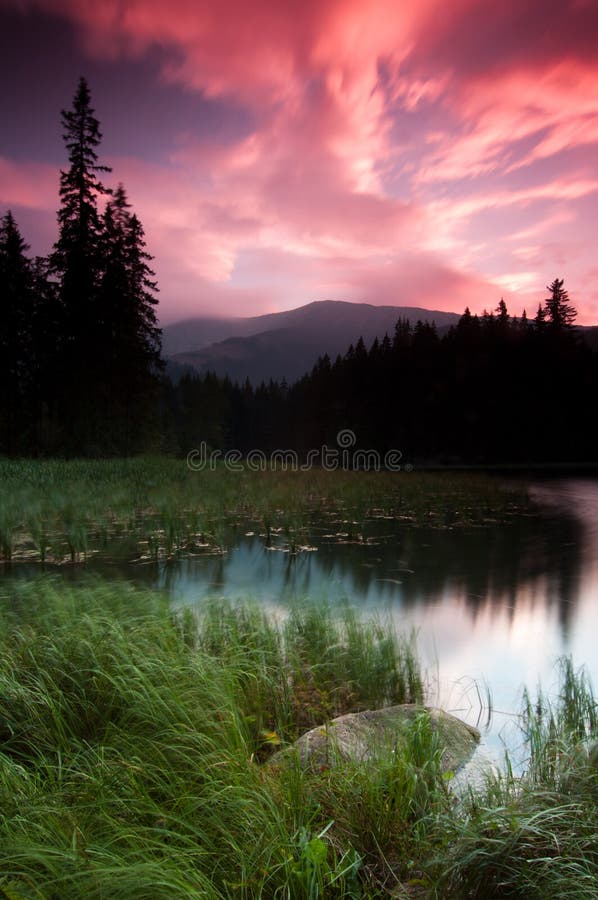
565, 499
412, 564
565, 576
482, 564
494, 564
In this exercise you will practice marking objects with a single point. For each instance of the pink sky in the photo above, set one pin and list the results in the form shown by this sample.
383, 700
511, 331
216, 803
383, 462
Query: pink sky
409, 153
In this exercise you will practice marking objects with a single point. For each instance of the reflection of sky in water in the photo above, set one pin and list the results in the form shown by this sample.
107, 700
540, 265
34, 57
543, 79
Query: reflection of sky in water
495, 605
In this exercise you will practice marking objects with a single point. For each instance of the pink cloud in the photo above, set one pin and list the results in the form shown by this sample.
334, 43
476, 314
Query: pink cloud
423, 279
556, 109
330, 189
32, 185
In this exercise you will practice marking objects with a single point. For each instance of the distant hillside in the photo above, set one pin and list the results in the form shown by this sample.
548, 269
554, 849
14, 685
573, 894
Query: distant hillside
195, 334
590, 334
286, 344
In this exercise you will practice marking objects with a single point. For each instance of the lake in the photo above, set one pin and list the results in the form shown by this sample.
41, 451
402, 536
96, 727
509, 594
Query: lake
494, 604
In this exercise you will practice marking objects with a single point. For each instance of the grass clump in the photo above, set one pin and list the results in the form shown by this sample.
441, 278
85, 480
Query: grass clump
130, 738
535, 836
389, 812
133, 743
314, 666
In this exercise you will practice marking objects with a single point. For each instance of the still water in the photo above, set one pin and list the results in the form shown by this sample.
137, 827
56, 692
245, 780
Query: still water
493, 606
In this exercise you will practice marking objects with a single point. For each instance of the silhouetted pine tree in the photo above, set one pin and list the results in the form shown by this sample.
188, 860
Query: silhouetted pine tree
559, 312
540, 318
46, 325
17, 300
77, 263
130, 337
402, 335
468, 327
501, 309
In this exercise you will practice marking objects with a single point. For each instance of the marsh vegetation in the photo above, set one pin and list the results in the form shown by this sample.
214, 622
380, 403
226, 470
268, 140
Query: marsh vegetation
63, 511
135, 732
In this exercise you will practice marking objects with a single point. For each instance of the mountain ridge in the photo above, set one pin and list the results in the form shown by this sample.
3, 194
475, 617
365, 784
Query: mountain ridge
291, 341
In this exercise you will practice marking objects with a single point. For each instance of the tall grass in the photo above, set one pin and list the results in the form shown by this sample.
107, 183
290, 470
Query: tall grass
134, 743
536, 836
131, 740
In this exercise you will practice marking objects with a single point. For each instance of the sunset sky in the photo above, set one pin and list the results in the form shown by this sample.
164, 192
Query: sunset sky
409, 152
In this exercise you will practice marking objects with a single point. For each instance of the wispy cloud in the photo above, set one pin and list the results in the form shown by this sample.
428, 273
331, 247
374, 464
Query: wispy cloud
394, 148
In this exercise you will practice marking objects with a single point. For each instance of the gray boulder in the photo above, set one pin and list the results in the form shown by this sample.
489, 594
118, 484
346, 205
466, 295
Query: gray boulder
361, 736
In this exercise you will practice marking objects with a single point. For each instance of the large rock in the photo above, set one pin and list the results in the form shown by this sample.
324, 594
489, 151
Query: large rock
361, 736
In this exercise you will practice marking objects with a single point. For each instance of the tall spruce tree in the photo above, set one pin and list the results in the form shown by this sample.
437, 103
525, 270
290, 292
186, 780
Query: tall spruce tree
28, 347
77, 264
559, 312
540, 318
17, 362
503, 314
131, 339
46, 331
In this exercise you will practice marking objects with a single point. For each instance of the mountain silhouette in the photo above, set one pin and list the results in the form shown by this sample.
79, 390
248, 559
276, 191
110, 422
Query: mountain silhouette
285, 344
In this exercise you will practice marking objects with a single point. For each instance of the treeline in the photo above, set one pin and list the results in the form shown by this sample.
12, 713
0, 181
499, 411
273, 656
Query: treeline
494, 389
81, 371
80, 356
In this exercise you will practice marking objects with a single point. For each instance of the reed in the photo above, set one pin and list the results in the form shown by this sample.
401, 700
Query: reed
133, 742
92, 504
535, 835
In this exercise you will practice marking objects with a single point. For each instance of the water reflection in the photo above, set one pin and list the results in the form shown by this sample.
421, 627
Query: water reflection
494, 604
401, 565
